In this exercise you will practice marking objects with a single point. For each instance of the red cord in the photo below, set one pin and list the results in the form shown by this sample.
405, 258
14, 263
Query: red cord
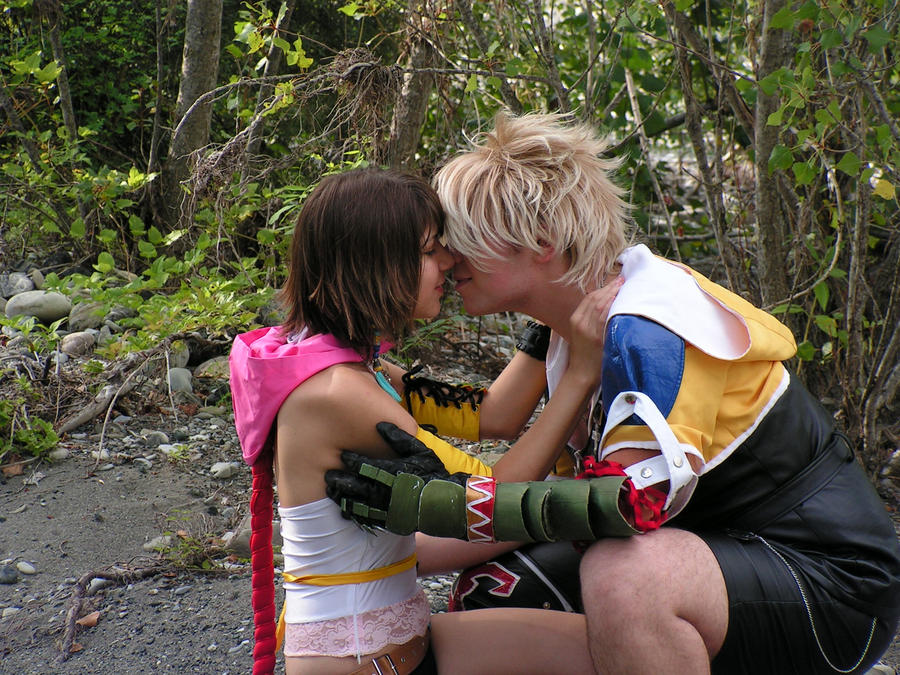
263, 569
645, 505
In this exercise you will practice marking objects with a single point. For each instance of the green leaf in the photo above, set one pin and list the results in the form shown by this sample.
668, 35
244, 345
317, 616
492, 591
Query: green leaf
877, 37
849, 164
774, 119
805, 172
770, 83
76, 231
48, 73
820, 290
884, 189
349, 9
105, 263
826, 324
471, 83
783, 18
136, 225
831, 38
265, 236
154, 236
494, 81
806, 351
146, 249
780, 159
107, 236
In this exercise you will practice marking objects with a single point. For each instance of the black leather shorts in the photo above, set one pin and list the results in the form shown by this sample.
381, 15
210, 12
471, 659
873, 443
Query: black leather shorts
812, 580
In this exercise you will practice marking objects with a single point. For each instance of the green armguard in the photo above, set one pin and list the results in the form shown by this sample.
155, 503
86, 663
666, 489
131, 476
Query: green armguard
564, 510
437, 507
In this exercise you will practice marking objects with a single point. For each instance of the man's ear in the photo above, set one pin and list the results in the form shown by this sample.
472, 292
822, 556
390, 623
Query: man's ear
547, 253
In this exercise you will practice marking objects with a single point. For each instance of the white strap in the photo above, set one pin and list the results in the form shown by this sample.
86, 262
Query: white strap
672, 460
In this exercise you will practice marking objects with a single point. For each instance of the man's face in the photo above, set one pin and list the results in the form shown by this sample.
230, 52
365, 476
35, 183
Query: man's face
502, 286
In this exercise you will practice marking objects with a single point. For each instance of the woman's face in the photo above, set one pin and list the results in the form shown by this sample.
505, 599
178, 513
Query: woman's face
436, 261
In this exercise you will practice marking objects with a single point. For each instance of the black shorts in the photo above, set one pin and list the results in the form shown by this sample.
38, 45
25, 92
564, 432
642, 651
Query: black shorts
814, 589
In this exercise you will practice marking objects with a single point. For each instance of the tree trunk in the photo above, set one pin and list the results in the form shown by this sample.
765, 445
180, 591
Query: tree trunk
199, 70
412, 100
771, 218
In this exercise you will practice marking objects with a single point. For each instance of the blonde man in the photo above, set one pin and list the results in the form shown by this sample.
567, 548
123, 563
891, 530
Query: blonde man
775, 554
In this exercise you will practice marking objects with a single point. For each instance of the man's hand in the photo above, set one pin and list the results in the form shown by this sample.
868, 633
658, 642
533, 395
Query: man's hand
386, 492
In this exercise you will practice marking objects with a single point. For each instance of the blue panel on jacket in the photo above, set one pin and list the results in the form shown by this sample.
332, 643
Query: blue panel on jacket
640, 355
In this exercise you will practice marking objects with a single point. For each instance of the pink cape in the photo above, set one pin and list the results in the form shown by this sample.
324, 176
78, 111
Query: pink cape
265, 369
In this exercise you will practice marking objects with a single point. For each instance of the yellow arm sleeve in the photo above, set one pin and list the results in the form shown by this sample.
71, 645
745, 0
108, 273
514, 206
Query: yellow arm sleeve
454, 460
452, 420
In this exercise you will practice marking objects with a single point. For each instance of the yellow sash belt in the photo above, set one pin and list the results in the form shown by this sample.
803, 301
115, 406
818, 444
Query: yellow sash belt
340, 580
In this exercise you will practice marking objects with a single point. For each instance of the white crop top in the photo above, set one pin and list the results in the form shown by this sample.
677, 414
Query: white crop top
317, 540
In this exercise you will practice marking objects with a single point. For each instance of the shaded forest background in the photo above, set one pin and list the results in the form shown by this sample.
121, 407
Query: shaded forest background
155, 154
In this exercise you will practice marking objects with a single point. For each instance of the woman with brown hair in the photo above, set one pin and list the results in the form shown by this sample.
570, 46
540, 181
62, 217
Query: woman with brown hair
366, 259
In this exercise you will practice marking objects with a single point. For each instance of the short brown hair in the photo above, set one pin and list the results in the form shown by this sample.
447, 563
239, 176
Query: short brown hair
356, 255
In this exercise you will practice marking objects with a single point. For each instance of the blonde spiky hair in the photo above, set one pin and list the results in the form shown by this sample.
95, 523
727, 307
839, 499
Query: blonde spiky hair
536, 179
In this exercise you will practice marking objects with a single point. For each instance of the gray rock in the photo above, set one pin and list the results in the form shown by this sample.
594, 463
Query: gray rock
157, 543
180, 379
9, 611
120, 312
77, 344
3, 304
179, 354
37, 278
10, 575
216, 367
86, 315
153, 438
25, 567
14, 283
223, 470
239, 542
58, 454
46, 306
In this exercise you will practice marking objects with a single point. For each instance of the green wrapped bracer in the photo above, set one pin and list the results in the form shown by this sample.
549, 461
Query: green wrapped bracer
484, 510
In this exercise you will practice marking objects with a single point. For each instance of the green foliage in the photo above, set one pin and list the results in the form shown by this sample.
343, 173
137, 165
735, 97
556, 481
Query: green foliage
22, 434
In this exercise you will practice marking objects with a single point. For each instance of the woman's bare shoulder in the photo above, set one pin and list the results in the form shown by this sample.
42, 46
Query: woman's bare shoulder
346, 401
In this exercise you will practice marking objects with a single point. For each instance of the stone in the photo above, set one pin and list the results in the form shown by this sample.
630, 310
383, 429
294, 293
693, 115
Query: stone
58, 454
86, 315
179, 354
180, 379
163, 541
216, 367
154, 439
14, 283
223, 470
45, 306
37, 278
25, 567
10, 575
77, 344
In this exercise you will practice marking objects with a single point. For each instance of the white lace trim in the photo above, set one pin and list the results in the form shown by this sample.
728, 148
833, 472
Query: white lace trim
376, 629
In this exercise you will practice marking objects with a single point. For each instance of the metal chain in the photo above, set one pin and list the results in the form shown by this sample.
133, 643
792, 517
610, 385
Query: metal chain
812, 623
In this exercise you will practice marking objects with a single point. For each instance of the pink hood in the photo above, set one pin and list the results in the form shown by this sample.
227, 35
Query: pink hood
265, 368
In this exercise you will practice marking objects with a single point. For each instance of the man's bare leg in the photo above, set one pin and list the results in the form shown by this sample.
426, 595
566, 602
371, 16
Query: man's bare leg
655, 603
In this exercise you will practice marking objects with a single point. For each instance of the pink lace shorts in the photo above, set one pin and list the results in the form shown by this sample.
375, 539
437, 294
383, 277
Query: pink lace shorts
363, 633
